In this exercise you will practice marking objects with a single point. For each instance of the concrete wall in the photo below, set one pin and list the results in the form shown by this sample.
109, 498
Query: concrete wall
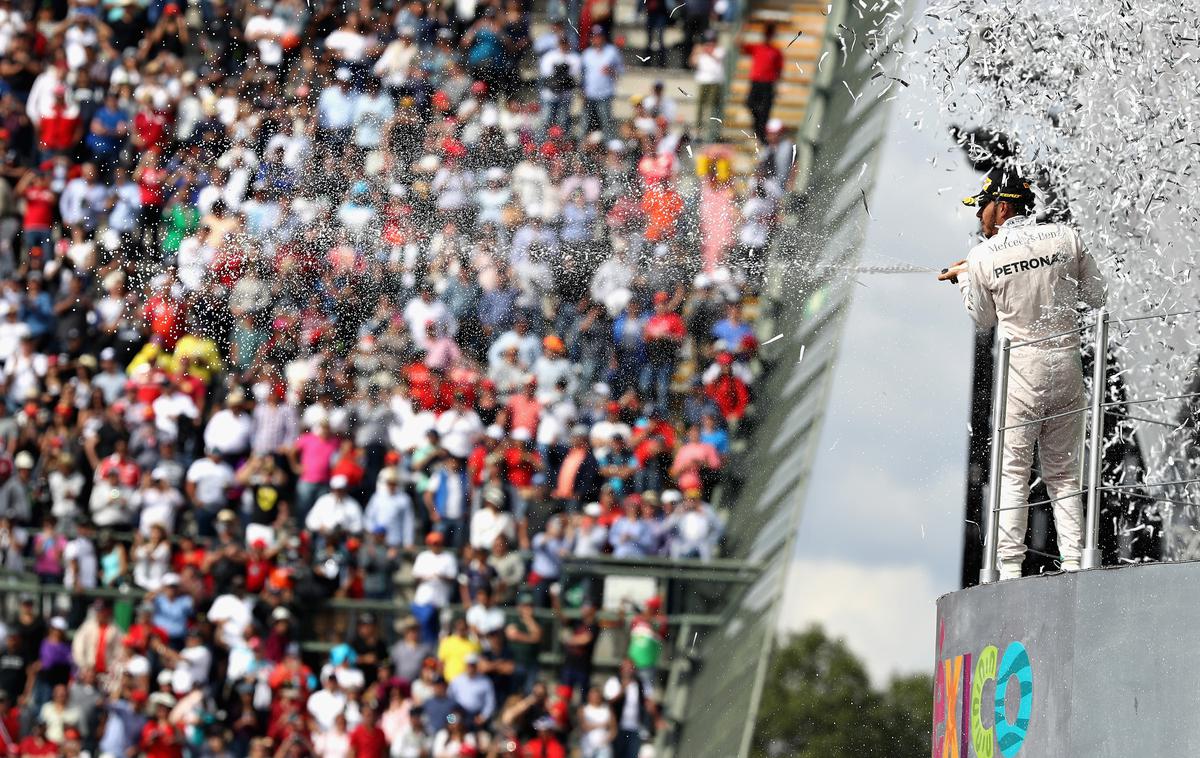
1098, 663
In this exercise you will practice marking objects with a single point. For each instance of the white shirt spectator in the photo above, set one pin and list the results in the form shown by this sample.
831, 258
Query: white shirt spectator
79, 559
459, 430
434, 572
158, 506
601, 68
232, 614
325, 705
229, 432
211, 478
169, 408
150, 564
265, 30
335, 511
485, 620
487, 524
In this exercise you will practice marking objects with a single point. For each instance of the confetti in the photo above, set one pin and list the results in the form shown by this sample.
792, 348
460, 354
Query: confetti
773, 339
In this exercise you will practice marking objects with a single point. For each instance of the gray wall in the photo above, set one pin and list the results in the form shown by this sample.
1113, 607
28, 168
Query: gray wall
1111, 652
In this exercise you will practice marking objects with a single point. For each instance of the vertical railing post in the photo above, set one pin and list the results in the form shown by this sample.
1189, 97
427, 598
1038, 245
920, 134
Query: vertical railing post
1091, 522
990, 573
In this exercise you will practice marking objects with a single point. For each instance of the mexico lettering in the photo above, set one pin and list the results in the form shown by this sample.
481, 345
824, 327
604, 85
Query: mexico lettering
958, 703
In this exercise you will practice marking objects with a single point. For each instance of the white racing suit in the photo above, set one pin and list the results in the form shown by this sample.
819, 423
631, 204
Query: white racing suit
1029, 279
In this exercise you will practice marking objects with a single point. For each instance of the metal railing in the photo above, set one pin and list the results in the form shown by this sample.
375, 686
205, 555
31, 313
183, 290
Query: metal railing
1092, 443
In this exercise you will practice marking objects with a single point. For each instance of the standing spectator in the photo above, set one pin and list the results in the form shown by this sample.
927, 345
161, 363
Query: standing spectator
602, 67
633, 706
434, 569
207, 480
708, 61
559, 70
695, 25
766, 67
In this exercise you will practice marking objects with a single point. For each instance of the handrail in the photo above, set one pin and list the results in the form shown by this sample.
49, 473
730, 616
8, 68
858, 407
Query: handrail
1115, 403
1076, 493
1093, 442
1085, 327
1049, 337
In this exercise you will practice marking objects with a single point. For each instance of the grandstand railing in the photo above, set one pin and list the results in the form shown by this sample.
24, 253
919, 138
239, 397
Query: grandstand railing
1092, 444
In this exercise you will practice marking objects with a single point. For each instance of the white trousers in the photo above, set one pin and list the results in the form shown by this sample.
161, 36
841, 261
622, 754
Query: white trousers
1042, 383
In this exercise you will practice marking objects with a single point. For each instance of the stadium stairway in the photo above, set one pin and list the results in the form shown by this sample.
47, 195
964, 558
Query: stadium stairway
800, 31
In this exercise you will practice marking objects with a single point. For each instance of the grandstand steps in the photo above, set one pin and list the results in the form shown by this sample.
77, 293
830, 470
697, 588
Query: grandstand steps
802, 53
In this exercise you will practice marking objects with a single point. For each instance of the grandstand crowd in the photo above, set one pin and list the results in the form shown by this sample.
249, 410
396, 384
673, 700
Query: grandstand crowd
299, 300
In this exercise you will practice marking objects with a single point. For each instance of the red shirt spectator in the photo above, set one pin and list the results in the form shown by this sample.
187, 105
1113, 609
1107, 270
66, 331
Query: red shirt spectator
766, 62
368, 740
150, 129
58, 128
544, 746
39, 207
524, 410
36, 745
730, 394
127, 471
10, 738
662, 206
152, 181
165, 317
522, 464
161, 740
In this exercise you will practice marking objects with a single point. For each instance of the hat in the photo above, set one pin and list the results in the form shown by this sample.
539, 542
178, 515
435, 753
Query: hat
493, 496
389, 475
616, 146
495, 432
654, 603
774, 125
495, 174
338, 482
579, 430
435, 538
553, 342
342, 75
23, 459
521, 434
281, 614
999, 184
170, 579
595, 510
160, 472
671, 496
107, 354
137, 666
661, 297
163, 699
472, 659
226, 515
59, 623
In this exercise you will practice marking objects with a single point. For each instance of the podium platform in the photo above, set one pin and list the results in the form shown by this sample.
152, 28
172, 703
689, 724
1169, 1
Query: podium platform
1096, 663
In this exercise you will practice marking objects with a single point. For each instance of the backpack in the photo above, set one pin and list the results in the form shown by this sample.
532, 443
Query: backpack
560, 80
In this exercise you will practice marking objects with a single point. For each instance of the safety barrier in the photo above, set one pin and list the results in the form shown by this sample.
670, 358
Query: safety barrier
1092, 443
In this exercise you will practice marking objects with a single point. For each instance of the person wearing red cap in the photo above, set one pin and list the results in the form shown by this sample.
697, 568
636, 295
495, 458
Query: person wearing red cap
664, 334
434, 569
728, 391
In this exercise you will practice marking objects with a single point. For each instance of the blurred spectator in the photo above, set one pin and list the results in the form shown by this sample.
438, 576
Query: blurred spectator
304, 305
